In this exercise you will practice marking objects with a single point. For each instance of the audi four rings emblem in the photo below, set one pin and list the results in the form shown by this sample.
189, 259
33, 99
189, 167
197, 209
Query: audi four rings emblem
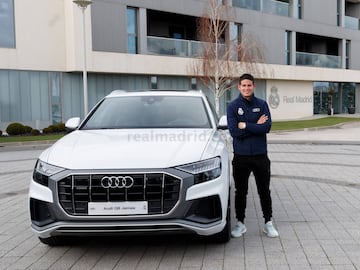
117, 182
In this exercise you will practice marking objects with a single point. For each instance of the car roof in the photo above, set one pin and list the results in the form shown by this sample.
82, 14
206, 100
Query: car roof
121, 93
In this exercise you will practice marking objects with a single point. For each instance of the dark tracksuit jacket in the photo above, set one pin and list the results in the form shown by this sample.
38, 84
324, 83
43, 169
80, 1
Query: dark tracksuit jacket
251, 140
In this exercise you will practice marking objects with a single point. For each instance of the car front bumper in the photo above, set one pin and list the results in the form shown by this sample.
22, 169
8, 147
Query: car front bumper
200, 209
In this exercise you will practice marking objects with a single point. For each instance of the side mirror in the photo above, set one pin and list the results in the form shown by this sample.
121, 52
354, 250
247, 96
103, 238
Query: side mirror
72, 123
223, 122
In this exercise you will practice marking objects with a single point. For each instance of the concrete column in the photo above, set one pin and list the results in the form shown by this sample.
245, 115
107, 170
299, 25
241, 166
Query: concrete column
142, 31
343, 53
295, 10
342, 13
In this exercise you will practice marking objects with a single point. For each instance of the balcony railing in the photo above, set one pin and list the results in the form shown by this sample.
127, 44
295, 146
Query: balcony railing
267, 6
178, 47
174, 47
248, 4
352, 23
318, 60
276, 7
192, 48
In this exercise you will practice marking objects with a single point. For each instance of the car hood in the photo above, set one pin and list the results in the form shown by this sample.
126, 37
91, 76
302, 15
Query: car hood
129, 149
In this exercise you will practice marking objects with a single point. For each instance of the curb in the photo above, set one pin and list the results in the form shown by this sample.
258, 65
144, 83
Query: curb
27, 143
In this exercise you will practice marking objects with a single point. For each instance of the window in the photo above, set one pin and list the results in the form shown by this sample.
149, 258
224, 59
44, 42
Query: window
154, 82
7, 27
347, 54
239, 37
228, 98
299, 9
193, 83
338, 12
55, 98
239, 32
159, 111
288, 47
132, 29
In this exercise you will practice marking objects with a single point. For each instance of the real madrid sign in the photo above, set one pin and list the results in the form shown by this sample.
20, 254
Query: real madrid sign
275, 99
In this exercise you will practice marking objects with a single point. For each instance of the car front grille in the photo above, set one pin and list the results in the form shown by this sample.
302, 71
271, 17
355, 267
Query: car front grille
160, 190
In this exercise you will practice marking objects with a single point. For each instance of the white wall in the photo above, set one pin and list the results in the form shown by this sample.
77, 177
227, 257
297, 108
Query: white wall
289, 99
39, 37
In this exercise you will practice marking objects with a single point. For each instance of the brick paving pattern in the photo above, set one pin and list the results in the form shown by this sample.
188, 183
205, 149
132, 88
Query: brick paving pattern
316, 201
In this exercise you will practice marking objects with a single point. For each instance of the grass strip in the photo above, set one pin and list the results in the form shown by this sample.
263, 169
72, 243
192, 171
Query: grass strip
313, 123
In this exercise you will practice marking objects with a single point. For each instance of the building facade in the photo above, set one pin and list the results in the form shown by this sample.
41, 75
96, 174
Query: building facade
311, 49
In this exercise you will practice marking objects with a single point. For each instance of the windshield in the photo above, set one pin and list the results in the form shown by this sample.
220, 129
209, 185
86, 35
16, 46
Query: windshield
149, 112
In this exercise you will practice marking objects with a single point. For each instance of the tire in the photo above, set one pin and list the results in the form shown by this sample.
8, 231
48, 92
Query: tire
225, 235
53, 240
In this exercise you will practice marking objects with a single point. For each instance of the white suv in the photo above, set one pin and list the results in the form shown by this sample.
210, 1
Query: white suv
139, 162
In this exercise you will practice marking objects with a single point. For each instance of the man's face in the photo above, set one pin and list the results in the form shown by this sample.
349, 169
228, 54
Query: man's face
246, 88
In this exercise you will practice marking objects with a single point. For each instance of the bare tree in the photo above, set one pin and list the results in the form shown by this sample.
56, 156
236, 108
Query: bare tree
221, 59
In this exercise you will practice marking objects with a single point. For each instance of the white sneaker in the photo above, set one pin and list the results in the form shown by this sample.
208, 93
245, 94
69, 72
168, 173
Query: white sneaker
239, 230
270, 230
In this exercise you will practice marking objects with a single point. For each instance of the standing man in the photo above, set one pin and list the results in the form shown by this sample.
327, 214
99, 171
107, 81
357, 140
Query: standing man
249, 120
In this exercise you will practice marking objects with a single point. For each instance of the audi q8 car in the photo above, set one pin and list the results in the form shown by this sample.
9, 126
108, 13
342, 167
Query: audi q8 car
139, 162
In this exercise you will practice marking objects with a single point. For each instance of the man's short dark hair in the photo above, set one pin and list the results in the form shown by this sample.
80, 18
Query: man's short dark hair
246, 76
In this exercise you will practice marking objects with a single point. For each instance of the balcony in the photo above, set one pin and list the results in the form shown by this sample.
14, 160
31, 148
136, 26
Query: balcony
267, 6
318, 60
352, 23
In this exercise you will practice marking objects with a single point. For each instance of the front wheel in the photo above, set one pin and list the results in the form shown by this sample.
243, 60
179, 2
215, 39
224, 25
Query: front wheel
225, 235
54, 240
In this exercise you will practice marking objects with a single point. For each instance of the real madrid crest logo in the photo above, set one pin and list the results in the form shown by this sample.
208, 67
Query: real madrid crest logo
274, 99
240, 111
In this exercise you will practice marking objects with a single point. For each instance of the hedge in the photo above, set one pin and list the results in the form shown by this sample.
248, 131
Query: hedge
16, 129
20, 129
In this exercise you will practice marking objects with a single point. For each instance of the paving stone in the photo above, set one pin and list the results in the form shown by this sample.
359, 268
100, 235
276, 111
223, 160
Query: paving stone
316, 201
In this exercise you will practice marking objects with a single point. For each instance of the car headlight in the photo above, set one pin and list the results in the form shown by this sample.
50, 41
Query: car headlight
204, 170
43, 170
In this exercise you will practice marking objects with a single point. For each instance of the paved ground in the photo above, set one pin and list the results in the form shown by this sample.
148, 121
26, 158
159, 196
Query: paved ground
316, 197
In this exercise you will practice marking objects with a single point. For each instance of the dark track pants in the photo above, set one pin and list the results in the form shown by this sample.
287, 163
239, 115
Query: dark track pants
242, 167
